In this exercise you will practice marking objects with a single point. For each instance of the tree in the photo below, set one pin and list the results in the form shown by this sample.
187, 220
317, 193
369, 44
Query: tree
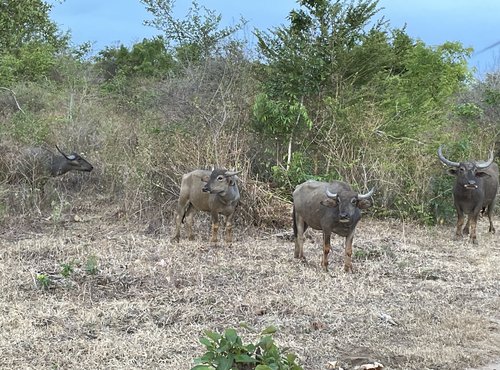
29, 40
27, 21
314, 58
195, 37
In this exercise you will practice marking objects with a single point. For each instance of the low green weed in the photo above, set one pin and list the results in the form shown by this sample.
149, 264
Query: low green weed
227, 352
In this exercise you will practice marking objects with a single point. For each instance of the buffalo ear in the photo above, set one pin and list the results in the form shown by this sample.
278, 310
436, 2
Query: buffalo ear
329, 202
364, 203
205, 178
481, 173
452, 171
232, 180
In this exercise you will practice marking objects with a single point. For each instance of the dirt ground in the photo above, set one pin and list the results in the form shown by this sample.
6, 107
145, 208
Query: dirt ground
95, 292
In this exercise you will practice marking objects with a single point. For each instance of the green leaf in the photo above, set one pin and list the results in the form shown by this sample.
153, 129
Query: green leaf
269, 330
206, 342
202, 367
212, 335
225, 364
244, 358
262, 367
231, 335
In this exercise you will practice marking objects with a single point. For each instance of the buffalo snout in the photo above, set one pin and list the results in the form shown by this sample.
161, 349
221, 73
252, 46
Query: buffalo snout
471, 184
344, 217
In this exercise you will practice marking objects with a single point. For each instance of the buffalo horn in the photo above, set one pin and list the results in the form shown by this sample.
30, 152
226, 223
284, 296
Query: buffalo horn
60, 151
331, 195
444, 160
487, 163
231, 173
367, 195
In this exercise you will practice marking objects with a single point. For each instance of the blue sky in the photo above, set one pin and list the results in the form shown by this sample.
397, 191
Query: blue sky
473, 23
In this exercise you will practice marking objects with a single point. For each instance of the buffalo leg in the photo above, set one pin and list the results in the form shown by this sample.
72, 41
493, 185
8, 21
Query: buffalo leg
460, 224
299, 238
490, 213
466, 229
473, 226
189, 223
326, 249
181, 211
348, 253
229, 229
215, 228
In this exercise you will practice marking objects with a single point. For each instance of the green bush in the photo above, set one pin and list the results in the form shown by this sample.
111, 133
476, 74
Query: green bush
227, 352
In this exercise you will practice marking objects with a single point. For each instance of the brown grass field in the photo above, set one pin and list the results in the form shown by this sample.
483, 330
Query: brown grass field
136, 301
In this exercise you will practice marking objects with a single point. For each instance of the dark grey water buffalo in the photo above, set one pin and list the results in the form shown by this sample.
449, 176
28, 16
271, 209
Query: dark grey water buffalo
37, 165
331, 207
209, 191
475, 189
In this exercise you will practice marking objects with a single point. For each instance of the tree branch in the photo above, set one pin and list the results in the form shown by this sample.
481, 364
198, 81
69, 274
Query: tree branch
15, 99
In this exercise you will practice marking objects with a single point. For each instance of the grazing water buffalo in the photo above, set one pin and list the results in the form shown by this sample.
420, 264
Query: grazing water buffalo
475, 189
209, 191
37, 165
330, 207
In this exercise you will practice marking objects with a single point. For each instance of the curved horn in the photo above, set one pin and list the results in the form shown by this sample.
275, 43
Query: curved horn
444, 160
60, 151
231, 173
487, 163
329, 194
367, 195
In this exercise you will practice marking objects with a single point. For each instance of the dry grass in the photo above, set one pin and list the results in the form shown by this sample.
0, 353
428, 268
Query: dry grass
151, 300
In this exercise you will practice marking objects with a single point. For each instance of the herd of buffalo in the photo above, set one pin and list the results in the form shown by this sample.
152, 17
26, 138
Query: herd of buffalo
332, 207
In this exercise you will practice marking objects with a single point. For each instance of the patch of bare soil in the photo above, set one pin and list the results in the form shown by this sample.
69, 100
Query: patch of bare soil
92, 294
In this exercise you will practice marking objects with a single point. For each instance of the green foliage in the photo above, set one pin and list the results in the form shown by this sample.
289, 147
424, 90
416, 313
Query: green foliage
32, 61
91, 266
300, 169
468, 111
43, 281
227, 352
196, 36
28, 128
29, 40
148, 58
67, 269
27, 21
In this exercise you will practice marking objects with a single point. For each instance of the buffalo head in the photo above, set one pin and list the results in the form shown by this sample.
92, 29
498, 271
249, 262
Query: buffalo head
467, 173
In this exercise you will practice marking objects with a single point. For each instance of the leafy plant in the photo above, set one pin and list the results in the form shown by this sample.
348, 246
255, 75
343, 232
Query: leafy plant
91, 266
66, 269
43, 281
227, 352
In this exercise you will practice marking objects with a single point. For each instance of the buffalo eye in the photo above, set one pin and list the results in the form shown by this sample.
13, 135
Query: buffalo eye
220, 178
354, 201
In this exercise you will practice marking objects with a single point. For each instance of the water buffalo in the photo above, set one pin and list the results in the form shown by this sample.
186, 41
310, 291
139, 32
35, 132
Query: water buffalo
36, 165
330, 207
209, 191
475, 189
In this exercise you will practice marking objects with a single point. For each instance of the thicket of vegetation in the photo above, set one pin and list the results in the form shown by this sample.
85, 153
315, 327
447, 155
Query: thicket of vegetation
334, 94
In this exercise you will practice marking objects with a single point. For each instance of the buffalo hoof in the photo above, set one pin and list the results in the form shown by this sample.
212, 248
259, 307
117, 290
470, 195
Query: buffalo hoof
492, 230
348, 269
474, 241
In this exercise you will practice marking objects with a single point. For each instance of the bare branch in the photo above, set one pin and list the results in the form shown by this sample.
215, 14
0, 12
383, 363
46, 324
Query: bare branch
15, 99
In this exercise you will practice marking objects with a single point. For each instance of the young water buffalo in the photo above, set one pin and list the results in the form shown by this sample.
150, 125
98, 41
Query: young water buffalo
475, 189
209, 191
330, 207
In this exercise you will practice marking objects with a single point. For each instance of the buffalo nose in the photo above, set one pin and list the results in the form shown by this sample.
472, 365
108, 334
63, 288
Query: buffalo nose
472, 182
344, 216
205, 189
